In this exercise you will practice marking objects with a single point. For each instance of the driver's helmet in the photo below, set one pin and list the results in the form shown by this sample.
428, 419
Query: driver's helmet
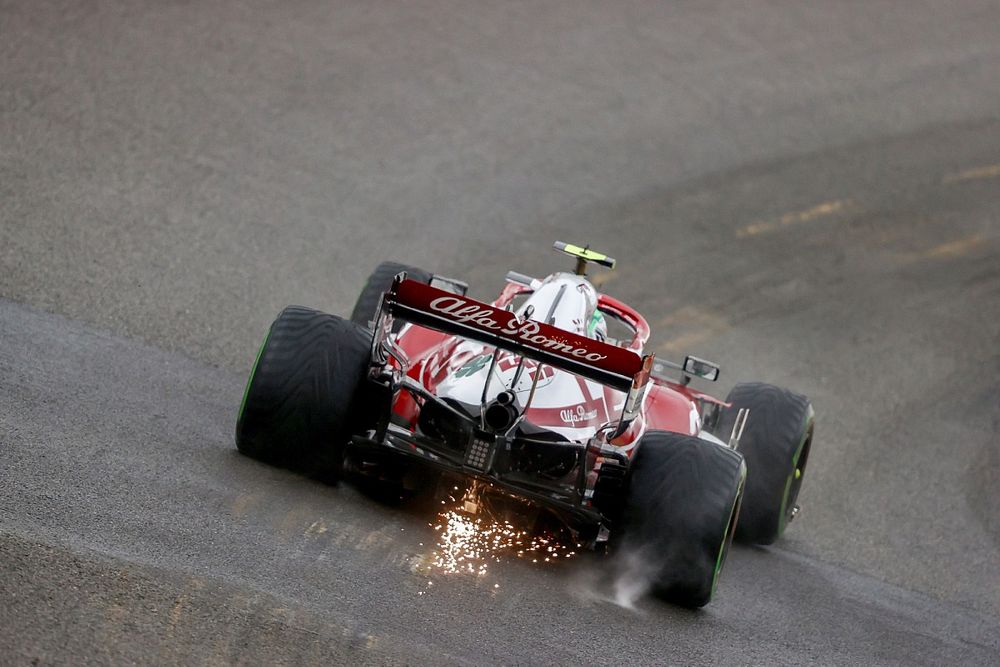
567, 301
598, 326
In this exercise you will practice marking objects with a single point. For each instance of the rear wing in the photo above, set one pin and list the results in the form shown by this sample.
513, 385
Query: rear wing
460, 315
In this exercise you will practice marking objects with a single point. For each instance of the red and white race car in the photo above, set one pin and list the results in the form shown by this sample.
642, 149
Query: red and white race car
542, 403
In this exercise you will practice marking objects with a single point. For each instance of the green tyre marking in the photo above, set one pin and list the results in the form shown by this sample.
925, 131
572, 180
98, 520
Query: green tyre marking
783, 516
253, 371
730, 529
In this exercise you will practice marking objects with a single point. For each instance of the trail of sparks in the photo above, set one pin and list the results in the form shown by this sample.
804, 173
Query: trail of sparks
467, 544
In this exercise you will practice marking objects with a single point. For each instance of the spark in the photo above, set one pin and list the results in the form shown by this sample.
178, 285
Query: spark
469, 544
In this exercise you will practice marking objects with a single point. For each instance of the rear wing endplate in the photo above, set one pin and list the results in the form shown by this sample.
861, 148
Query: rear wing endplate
460, 315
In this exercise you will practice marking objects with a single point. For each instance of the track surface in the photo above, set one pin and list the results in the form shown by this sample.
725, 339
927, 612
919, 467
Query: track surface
810, 196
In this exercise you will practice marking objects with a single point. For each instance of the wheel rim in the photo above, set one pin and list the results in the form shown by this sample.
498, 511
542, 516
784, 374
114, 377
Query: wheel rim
794, 482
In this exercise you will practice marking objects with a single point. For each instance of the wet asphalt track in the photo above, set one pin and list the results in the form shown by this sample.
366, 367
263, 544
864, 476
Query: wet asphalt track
810, 196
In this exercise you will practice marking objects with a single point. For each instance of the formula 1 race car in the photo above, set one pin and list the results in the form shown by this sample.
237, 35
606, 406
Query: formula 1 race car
542, 404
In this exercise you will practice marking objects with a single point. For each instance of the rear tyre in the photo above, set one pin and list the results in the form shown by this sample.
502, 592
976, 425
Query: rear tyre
299, 406
681, 508
775, 443
379, 281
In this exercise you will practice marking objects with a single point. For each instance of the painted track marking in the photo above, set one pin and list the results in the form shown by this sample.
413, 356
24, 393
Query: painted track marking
949, 250
974, 174
695, 325
822, 210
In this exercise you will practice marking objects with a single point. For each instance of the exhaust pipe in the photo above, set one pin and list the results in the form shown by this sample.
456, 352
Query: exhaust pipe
501, 413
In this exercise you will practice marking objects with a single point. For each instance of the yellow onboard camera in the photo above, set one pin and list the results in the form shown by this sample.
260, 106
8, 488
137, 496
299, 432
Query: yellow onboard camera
583, 256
